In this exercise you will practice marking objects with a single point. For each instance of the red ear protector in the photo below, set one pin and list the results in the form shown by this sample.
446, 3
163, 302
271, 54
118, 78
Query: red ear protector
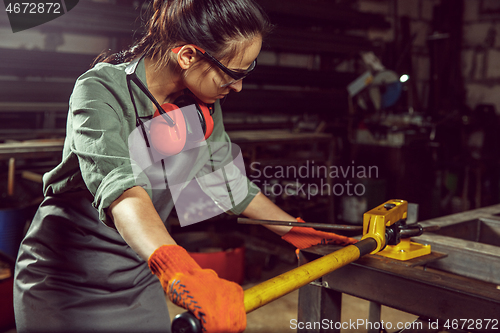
170, 132
189, 126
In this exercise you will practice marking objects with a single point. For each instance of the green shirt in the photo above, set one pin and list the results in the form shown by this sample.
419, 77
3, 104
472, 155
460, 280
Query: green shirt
96, 152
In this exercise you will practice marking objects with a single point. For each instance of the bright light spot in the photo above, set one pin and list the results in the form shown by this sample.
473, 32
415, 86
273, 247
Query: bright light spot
404, 78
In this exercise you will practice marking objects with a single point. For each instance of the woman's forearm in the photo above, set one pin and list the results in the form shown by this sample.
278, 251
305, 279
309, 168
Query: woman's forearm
140, 225
264, 209
138, 222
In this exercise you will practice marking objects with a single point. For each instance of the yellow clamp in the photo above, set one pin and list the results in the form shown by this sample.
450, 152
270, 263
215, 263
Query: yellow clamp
376, 220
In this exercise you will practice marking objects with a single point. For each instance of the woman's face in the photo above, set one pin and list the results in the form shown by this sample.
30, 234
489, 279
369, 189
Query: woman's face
206, 85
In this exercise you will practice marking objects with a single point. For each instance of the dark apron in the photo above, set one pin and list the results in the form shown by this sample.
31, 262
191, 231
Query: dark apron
74, 274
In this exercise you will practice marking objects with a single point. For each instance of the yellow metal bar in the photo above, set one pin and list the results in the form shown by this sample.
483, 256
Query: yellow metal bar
285, 283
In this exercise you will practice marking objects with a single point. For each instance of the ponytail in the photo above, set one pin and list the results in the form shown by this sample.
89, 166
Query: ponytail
214, 25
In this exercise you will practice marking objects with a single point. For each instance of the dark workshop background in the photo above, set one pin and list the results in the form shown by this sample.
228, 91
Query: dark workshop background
405, 93
430, 140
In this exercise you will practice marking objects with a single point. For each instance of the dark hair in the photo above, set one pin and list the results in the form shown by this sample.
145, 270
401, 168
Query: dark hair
217, 26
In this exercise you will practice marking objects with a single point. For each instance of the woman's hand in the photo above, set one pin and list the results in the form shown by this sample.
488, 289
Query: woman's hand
261, 208
216, 302
264, 209
303, 238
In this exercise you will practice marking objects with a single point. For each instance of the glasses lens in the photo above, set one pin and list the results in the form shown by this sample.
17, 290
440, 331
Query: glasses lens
240, 75
230, 83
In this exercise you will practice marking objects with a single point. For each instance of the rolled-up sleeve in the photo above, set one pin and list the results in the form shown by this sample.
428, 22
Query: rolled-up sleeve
99, 140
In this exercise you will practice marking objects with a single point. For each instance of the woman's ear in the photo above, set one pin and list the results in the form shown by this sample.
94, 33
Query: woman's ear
186, 56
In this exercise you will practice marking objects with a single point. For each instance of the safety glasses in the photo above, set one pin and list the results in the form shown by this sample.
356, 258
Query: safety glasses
235, 75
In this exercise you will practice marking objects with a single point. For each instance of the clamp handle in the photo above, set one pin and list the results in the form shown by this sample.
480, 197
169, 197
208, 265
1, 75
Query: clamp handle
186, 323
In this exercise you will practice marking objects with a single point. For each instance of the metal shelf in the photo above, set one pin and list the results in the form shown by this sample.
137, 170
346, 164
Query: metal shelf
90, 17
35, 63
321, 13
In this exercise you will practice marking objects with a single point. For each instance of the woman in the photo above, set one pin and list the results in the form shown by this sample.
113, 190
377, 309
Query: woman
86, 262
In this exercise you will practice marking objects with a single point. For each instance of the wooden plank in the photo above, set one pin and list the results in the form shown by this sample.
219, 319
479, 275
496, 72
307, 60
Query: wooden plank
33, 107
31, 149
276, 135
325, 13
317, 42
300, 77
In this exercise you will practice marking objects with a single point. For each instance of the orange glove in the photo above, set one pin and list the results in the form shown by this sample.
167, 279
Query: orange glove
303, 238
216, 302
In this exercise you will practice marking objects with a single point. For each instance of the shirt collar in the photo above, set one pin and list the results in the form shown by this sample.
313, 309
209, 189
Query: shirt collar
143, 103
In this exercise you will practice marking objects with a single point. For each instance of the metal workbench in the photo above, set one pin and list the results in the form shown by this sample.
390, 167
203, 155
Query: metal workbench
410, 286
